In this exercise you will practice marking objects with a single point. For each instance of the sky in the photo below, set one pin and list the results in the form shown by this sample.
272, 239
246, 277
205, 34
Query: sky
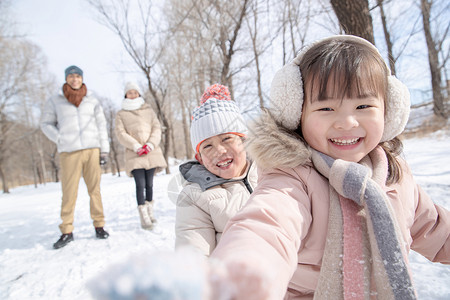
132, 259
68, 34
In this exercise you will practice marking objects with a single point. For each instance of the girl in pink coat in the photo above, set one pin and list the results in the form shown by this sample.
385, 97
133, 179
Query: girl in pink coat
336, 209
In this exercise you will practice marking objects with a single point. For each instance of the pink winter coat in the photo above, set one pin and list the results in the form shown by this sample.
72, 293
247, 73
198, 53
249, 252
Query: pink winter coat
278, 238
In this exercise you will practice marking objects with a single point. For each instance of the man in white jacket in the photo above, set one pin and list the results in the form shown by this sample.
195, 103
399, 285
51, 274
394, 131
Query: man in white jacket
74, 120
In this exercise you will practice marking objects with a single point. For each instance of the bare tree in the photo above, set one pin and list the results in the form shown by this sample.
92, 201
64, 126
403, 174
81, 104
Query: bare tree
53, 158
433, 59
185, 68
110, 115
227, 43
212, 35
387, 37
399, 28
354, 17
220, 24
19, 63
143, 39
295, 22
259, 45
5, 129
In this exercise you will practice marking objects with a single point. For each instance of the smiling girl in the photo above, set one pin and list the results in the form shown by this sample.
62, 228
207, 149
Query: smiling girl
220, 180
336, 209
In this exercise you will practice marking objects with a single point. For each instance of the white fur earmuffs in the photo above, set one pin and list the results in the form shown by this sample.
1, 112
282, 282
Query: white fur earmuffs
286, 95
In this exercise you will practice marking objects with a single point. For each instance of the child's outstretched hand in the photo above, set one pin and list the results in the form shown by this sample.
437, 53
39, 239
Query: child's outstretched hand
184, 274
236, 281
157, 276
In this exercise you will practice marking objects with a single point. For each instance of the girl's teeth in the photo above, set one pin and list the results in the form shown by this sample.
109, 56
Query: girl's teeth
223, 164
345, 142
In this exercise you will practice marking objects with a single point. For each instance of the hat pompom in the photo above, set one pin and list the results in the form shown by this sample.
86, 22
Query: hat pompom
216, 91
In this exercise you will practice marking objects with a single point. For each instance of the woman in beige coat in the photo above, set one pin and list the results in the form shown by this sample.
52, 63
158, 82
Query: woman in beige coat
139, 131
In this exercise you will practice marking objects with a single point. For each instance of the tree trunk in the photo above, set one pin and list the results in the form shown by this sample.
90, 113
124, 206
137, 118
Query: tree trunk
165, 128
4, 181
433, 60
253, 36
55, 169
42, 163
168, 132
115, 167
387, 37
189, 152
173, 143
34, 166
227, 44
354, 17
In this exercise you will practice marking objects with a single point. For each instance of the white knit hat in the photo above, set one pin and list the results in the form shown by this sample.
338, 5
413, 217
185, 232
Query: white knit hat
131, 86
286, 94
217, 114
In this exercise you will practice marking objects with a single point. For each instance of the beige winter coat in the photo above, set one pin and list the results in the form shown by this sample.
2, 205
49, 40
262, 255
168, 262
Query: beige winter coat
136, 128
277, 240
205, 206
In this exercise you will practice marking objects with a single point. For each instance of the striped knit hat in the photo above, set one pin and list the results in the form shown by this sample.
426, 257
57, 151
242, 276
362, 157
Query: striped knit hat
217, 114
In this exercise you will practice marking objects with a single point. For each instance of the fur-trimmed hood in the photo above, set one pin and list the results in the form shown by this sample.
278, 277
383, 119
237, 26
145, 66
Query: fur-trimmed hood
271, 145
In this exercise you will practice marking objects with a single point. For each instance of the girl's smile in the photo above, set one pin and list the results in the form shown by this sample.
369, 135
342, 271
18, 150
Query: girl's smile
223, 155
345, 142
344, 129
225, 164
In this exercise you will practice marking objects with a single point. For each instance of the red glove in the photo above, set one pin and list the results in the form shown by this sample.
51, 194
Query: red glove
144, 150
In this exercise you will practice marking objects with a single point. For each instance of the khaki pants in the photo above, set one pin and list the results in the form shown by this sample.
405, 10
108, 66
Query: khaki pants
73, 165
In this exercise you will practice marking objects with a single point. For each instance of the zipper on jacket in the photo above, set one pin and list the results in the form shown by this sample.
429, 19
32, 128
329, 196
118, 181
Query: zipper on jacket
247, 185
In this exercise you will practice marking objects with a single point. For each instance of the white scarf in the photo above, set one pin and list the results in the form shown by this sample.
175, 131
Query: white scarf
132, 104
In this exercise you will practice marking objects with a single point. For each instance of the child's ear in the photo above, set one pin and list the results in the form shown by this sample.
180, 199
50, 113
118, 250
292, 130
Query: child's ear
199, 158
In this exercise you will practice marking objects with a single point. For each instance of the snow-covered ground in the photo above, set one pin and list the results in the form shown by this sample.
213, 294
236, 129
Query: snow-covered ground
31, 269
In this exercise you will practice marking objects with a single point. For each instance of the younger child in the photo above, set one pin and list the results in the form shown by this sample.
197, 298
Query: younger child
219, 183
336, 209
139, 131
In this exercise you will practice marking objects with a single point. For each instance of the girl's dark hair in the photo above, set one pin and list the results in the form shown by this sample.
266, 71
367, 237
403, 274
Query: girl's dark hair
348, 68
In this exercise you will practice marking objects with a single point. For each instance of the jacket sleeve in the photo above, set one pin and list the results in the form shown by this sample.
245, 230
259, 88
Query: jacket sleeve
49, 121
431, 229
102, 128
155, 136
122, 135
260, 243
193, 225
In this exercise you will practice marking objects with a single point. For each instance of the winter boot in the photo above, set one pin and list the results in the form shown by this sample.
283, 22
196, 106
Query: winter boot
149, 205
63, 240
100, 233
146, 222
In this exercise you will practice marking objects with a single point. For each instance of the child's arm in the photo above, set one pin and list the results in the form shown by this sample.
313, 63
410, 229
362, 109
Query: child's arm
193, 225
260, 244
431, 229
